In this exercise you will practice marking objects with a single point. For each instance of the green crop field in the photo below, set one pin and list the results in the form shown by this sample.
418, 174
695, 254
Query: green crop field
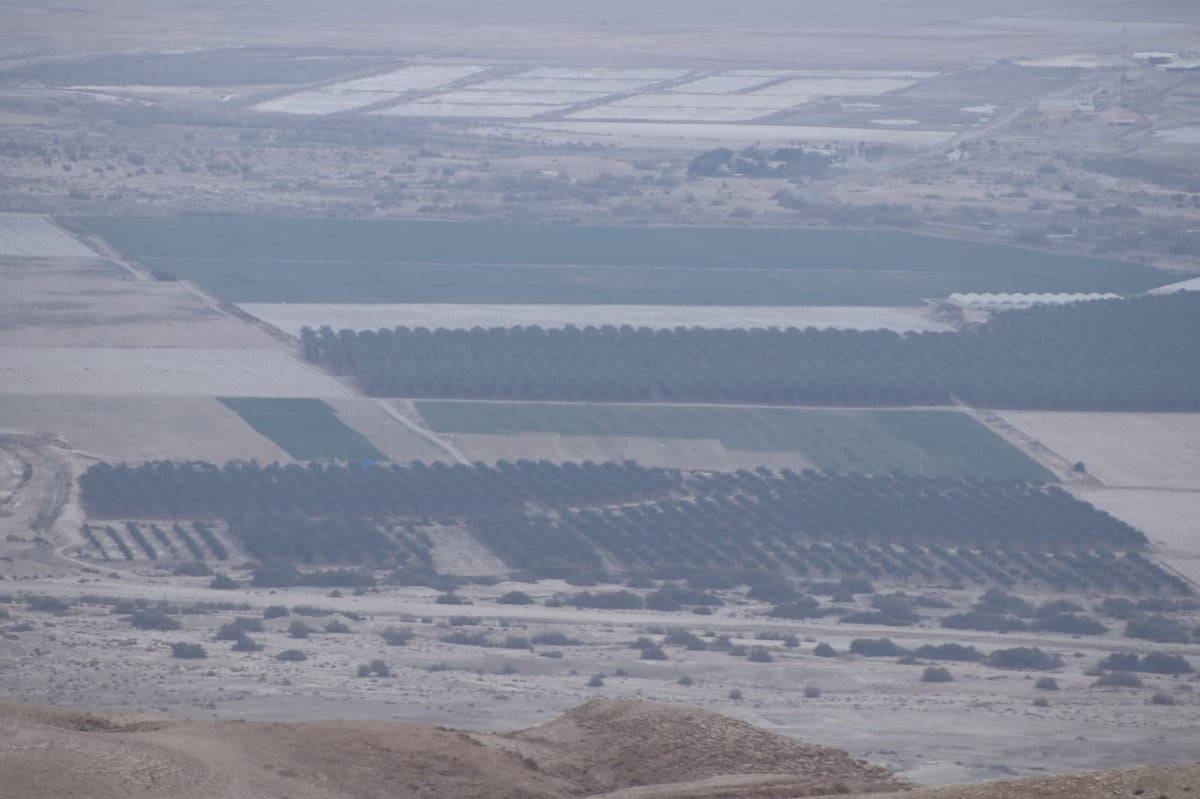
307, 429
268, 259
933, 443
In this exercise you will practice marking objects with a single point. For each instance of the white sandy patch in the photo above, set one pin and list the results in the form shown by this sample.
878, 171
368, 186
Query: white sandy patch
1170, 519
1183, 285
291, 317
419, 77
1132, 450
477, 95
677, 113
319, 102
646, 74
162, 372
140, 428
896, 122
700, 101
721, 84
673, 134
1078, 61
837, 86
1187, 134
468, 111
33, 235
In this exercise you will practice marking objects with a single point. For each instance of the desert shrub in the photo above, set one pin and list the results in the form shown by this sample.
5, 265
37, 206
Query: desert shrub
186, 651
811, 692
393, 636
937, 674
449, 598
898, 607
309, 610
775, 590
464, 638
685, 680
1162, 663
191, 569
804, 607
299, 629
950, 651
364, 670
553, 638
1157, 628
1070, 624
276, 612
686, 639
1119, 679
983, 620
608, 600
824, 650
996, 601
1046, 684
515, 598
291, 656
1118, 607
1162, 699
246, 644
516, 642
380, 669
791, 641
596, 681
224, 582
1041, 701
153, 620
47, 604
760, 654
337, 626
653, 653
877, 647
1024, 657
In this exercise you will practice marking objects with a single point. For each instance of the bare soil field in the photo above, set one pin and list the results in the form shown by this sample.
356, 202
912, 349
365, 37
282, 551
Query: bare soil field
399, 442
60, 303
1125, 450
137, 428
162, 372
291, 317
34, 235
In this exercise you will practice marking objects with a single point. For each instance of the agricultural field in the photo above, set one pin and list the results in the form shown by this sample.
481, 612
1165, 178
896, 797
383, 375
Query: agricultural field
34, 235
261, 259
292, 317
307, 429
931, 443
1122, 450
66, 302
132, 428
348, 95
162, 372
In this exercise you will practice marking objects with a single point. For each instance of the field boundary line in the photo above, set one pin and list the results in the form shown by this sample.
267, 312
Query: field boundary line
428, 435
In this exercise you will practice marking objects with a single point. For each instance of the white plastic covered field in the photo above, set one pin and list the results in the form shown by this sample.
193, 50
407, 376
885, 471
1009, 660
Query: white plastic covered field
291, 317
1170, 519
162, 372
1131, 450
33, 235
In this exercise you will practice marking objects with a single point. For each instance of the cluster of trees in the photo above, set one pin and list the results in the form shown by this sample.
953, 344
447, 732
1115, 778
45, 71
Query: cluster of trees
1130, 354
170, 545
197, 490
958, 531
753, 161
568, 520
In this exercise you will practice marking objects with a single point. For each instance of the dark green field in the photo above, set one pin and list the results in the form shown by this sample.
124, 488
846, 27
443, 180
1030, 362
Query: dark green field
933, 443
307, 429
266, 259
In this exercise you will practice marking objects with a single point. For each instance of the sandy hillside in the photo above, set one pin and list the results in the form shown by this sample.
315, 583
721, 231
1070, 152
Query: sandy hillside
595, 749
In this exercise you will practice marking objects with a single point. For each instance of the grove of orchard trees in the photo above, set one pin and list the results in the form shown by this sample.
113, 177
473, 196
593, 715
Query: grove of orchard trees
570, 519
1127, 354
